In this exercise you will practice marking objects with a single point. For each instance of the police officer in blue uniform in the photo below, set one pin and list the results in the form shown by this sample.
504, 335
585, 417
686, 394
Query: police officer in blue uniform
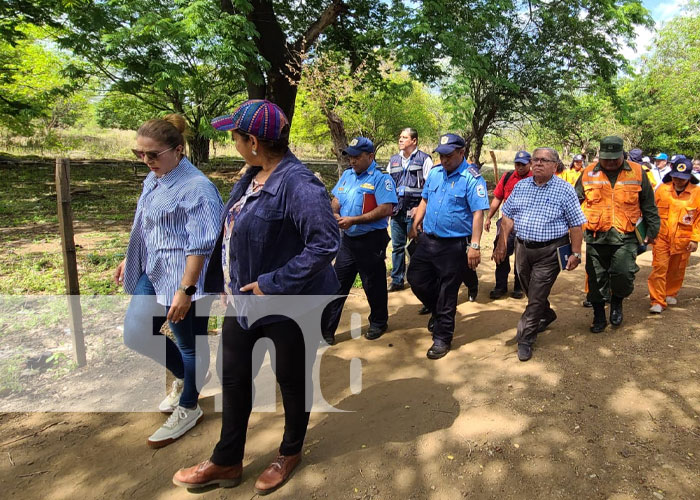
364, 198
409, 169
451, 217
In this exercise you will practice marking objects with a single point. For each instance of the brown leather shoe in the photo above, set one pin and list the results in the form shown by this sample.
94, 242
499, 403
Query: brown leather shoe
208, 473
276, 473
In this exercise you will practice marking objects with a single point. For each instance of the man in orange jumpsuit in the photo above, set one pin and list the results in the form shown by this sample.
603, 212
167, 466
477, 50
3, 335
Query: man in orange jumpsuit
678, 201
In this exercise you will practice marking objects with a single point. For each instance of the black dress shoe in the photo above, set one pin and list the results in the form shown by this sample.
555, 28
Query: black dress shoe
395, 287
545, 322
616, 312
599, 325
587, 303
524, 352
431, 324
517, 294
330, 339
424, 310
497, 293
472, 294
438, 351
374, 332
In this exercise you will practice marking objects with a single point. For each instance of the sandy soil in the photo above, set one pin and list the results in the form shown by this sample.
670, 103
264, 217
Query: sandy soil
613, 415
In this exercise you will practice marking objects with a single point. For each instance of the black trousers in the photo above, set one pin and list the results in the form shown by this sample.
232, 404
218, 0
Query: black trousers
293, 372
435, 273
366, 255
471, 279
503, 269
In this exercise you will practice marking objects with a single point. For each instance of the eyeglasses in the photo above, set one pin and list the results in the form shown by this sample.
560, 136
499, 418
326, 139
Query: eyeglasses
543, 160
150, 155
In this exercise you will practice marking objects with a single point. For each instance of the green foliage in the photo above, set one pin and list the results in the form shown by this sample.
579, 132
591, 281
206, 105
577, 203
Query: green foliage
123, 111
498, 60
184, 56
664, 100
34, 88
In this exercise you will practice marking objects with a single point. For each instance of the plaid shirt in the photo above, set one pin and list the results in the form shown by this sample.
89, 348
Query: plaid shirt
543, 213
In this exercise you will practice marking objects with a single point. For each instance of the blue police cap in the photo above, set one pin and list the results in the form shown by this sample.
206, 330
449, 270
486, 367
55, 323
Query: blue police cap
358, 146
522, 157
448, 143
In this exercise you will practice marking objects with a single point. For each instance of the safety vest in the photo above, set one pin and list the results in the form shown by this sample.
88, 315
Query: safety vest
605, 206
409, 182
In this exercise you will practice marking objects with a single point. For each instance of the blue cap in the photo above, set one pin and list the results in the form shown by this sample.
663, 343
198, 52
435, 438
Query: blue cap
636, 155
448, 143
358, 146
682, 168
522, 157
661, 156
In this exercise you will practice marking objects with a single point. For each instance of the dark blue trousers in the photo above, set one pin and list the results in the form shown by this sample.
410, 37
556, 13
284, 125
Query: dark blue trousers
365, 255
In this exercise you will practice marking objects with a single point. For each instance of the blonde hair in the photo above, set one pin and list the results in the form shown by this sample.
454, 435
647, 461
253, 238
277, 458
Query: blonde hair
169, 130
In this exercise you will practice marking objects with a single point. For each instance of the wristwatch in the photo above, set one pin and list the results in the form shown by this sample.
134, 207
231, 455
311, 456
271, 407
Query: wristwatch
188, 290
475, 246
577, 255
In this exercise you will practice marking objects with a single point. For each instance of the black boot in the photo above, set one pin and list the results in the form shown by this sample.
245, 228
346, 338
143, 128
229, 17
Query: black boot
615, 311
599, 320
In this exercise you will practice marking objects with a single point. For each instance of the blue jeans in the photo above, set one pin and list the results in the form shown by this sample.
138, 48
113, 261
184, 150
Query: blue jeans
400, 226
142, 324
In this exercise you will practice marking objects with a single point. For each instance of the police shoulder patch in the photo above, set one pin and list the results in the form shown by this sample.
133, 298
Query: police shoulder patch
474, 171
387, 185
480, 191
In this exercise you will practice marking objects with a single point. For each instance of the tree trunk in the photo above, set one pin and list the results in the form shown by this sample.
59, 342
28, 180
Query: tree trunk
478, 145
339, 138
199, 149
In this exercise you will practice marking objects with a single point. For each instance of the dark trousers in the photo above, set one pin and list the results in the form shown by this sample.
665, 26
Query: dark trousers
293, 374
503, 269
435, 273
538, 269
363, 254
611, 270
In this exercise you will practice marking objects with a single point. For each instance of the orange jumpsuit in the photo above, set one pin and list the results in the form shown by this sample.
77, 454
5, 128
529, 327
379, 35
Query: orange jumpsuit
680, 224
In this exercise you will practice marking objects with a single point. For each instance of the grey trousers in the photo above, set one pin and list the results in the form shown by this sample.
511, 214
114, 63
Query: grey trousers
538, 269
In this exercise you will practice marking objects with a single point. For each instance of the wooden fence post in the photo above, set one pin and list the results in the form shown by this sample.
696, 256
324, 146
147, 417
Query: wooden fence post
70, 263
495, 166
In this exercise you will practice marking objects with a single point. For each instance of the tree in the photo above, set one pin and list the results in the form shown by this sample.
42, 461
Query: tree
179, 56
497, 60
123, 111
665, 98
286, 31
34, 87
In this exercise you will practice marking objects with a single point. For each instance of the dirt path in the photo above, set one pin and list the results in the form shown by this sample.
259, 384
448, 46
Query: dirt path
614, 415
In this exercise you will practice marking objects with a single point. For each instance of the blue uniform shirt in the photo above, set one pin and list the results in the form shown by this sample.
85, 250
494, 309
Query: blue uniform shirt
351, 189
452, 199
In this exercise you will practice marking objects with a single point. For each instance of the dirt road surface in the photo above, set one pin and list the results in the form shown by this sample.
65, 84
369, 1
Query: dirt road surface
614, 415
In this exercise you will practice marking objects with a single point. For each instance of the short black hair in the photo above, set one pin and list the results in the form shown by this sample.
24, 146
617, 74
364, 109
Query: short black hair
413, 133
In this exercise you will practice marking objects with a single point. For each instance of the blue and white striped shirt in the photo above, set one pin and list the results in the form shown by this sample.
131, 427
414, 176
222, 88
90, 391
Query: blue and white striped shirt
543, 213
177, 215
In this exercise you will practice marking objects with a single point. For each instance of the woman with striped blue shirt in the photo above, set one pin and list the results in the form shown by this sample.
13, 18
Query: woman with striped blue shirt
174, 232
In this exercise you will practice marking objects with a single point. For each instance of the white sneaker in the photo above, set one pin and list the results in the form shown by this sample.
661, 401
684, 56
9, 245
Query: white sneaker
656, 309
671, 301
172, 400
181, 421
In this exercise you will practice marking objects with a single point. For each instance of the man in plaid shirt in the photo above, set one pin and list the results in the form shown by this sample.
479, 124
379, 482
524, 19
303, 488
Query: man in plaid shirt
545, 213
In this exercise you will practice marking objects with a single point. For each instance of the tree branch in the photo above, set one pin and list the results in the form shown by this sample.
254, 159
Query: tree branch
327, 17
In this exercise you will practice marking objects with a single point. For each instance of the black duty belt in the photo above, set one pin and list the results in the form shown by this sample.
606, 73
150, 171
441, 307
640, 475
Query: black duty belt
539, 244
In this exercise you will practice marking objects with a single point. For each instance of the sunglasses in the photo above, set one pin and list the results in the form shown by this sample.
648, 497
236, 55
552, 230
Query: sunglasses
150, 155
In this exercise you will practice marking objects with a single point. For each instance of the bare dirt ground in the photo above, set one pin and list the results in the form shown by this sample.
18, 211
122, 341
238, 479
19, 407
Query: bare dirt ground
614, 415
